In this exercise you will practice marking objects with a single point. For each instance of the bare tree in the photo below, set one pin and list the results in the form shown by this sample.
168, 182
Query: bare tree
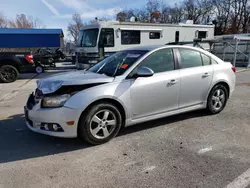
23, 21
222, 15
173, 14
246, 16
228, 16
197, 10
75, 26
3, 21
153, 6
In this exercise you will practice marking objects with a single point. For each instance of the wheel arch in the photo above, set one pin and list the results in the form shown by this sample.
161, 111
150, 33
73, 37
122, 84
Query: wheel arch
116, 103
221, 82
11, 62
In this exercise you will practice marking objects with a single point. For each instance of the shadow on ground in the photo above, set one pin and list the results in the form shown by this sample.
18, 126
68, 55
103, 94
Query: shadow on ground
17, 142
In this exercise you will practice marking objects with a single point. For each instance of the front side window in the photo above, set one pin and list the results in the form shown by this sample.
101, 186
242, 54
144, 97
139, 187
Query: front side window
130, 37
190, 58
159, 61
118, 63
88, 37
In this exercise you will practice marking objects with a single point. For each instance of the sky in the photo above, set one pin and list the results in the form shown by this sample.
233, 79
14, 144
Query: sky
58, 13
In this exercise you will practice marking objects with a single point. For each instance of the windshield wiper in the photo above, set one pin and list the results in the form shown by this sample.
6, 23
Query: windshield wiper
119, 64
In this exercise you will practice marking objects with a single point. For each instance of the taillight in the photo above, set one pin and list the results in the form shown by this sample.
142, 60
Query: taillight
29, 58
233, 69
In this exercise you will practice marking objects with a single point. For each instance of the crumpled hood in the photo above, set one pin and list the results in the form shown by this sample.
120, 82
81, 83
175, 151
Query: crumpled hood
52, 83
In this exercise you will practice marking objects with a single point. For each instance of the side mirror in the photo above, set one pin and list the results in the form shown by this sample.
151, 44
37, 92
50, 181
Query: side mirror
144, 72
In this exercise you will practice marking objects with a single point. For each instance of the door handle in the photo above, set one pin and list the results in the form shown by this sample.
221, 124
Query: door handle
205, 75
172, 82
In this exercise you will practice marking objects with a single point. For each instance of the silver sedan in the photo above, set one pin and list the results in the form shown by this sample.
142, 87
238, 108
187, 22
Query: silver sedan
129, 87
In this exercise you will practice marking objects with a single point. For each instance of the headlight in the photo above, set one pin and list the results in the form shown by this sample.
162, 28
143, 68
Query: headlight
55, 101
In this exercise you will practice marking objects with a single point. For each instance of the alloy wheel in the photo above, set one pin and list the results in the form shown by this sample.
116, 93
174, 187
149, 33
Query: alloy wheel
218, 99
103, 124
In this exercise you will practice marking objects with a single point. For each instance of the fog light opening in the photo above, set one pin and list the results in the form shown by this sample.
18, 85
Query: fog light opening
46, 127
55, 127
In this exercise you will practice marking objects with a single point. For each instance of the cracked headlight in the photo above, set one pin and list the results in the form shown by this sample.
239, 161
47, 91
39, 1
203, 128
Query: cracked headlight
55, 101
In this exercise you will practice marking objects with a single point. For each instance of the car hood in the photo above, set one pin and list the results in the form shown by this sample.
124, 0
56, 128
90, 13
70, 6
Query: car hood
52, 83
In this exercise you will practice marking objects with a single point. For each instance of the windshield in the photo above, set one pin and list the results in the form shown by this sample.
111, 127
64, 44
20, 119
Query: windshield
88, 37
118, 63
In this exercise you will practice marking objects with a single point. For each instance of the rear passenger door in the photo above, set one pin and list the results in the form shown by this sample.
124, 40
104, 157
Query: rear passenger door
196, 73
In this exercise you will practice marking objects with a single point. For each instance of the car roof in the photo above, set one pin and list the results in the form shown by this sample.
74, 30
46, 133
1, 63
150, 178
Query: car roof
154, 47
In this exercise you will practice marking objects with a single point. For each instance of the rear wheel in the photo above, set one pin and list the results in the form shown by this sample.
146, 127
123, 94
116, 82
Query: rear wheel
217, 99
100, 124
39, 69
8, 73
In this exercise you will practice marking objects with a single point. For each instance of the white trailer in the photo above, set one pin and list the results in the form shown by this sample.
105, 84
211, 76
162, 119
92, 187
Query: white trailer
117, 36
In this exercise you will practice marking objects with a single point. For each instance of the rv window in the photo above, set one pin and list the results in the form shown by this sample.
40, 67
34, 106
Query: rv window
202, 34
154, 35
177, 36
107, 35
130, 37
88, 37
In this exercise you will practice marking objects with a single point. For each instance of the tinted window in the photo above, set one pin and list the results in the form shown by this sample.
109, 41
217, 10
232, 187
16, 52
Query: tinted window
177, 35
202, 34
130, 37
118, 63
159, 61
205, 59
108, 36
190, 58
154, 35
88, 37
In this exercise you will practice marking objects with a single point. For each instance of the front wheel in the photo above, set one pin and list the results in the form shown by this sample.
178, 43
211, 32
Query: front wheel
100, 124
8, 73
217, 99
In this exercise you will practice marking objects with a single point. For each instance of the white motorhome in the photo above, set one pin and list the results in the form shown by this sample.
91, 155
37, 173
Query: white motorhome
116, 36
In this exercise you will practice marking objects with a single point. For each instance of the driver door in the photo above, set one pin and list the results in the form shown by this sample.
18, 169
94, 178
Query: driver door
159, 93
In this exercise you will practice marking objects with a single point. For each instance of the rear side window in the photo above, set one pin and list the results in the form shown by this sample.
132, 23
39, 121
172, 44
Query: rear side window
206, 60
159, 61
190, 58
214, 62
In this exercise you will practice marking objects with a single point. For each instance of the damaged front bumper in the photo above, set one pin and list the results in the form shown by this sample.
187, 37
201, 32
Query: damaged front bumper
51, 121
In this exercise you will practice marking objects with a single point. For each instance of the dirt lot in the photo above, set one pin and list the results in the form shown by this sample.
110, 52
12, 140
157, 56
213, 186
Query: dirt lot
188, 150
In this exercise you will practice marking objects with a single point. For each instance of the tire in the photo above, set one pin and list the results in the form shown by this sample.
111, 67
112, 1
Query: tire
8, 74
216, 98
39, 69
93, 131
